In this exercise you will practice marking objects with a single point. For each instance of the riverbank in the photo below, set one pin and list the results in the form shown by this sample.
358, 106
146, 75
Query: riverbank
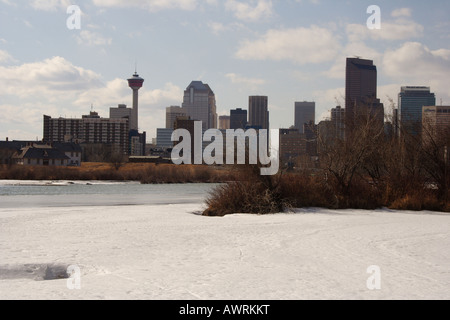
147, 173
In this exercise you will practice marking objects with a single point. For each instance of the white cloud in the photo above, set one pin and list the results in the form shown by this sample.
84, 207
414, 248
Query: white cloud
5, 57
401, 12
352, 49
249, 83
415, 64
90, 38
217, 28
57, 88
301, 46
252, 10
50, 5
151, 5
51, 79
400, 29
415, 60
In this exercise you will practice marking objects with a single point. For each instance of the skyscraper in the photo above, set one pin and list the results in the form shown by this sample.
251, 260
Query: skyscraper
305, 112
259, 112
411, 100
238, 119
361, 92
135, 83
172, 113
338, 121
199, 103
224, 122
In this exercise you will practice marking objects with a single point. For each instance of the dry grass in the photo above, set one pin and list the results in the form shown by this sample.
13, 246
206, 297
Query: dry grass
143, 172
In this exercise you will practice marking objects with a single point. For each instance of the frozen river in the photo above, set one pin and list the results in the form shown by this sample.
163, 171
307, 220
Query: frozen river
41, 194
132, 241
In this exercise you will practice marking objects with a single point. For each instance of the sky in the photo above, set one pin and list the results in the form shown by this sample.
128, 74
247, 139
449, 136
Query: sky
288, 50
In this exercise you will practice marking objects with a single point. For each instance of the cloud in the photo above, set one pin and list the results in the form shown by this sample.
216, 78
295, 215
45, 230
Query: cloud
301, 46
57, 88
251, 83
252, 10
50, 5
401, 12
5, 57
400, 29
352, 49
90, 38
415, 63
55, 75
151, 5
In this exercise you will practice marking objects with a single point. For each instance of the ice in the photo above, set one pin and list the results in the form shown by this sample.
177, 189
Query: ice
168, 252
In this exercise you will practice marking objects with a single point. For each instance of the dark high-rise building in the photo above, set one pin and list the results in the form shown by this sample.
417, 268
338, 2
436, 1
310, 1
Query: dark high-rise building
305, 113
411, 100
338, 121
361, 92
259, 112
238, 119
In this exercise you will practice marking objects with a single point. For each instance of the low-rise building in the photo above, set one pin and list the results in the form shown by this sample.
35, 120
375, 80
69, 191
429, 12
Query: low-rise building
44, 155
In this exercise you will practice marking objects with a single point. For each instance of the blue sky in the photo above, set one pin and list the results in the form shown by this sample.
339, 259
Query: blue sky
289, 50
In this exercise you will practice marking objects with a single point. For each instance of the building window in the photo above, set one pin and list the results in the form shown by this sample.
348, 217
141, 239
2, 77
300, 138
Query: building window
29, 161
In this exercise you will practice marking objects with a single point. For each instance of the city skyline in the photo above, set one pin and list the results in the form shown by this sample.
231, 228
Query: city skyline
239, 48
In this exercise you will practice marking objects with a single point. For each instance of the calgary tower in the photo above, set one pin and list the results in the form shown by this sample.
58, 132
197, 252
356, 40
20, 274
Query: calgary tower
135, 83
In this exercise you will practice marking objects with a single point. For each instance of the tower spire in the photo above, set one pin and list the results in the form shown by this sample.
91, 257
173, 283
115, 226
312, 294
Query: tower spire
135, 83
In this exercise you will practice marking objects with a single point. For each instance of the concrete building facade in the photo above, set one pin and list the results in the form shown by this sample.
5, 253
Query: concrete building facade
224, 122
172, 113
91, 129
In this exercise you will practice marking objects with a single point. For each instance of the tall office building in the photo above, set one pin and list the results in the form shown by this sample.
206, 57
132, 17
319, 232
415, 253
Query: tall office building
436, 119
164, 138
238, 119
172, 113
199, 103
224, 122
436, 127
361, 92
411, 100
305, 112
135, 83
338, 121
259, 112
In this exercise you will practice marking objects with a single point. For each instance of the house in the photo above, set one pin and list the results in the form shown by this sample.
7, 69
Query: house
7, 150
44, 155
71, 150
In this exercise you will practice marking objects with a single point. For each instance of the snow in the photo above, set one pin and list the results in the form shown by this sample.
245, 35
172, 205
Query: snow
169, 252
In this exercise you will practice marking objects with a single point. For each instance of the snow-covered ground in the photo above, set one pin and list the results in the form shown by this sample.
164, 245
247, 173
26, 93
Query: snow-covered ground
168, 252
